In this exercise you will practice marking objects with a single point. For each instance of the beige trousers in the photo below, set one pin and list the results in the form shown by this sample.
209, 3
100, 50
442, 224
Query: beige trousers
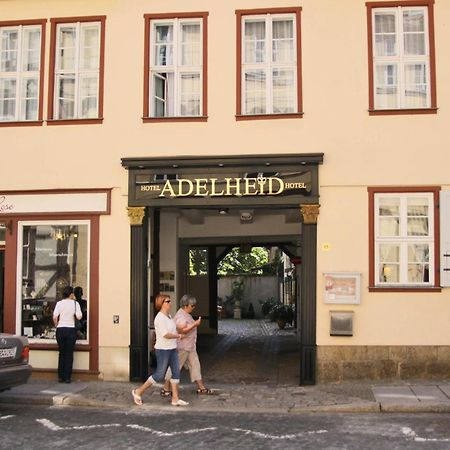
191, 362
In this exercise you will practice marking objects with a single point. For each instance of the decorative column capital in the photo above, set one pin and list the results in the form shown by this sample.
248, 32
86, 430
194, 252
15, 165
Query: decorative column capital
310, 213
136, 214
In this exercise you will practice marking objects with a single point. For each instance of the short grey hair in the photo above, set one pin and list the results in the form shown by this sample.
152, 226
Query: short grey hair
187, 299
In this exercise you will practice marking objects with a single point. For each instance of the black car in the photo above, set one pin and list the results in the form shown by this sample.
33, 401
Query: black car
14, 367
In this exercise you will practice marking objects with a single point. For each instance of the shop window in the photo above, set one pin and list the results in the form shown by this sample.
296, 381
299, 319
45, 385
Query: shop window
269, 63
21, 74
401, 57
76, 85
54, 255
175, 66
404, 226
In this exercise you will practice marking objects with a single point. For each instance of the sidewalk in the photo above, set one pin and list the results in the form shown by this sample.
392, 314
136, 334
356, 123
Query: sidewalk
344, 397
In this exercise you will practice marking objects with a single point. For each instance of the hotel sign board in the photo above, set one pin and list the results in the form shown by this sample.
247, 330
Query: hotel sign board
220, 188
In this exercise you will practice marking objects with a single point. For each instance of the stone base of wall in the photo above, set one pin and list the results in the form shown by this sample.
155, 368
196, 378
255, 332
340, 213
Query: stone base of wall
346, 363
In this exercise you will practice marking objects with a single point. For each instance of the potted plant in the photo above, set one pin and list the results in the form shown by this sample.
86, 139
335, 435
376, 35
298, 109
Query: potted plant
267, 305
282, 314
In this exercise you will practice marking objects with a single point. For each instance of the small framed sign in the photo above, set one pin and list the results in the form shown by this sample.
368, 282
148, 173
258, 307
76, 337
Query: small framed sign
342, 288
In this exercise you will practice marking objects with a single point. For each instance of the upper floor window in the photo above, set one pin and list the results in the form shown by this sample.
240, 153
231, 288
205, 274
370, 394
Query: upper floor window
401, 63
76, 81
403, 238
175, 85
21, 53
269, 62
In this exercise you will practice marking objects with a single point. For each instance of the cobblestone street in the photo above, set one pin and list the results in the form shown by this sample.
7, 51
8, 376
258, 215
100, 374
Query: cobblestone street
250, 352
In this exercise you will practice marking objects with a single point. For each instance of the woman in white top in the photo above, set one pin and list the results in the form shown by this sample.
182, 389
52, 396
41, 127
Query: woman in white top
166, 352
66, 334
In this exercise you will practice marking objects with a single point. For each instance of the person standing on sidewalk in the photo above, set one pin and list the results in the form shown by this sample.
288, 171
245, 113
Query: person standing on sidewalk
187, 347
166, 352
64, 314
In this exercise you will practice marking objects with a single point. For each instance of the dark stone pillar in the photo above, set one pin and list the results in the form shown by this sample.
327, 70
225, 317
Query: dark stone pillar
138, 295
308, 289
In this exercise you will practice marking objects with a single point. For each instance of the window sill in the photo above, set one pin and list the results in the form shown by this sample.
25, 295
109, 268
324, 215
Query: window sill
74, 121
404, 289
240, 117
175, 119
23, 123
390, 112
54, 346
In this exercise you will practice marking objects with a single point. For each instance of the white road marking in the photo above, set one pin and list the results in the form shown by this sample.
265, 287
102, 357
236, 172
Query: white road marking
168, 434
281, 437
410, 433
52, 426
6, 417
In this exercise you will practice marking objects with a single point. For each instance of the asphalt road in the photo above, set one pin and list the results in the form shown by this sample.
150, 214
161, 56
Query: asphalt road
39, 427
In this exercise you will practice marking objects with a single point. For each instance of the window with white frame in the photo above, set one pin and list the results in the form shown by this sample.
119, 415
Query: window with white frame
20, 64
176, 67
77, 70
401, 57
404, 239
269, 64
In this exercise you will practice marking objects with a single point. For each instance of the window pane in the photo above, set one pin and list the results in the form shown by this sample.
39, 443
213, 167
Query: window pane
89, 97
255, 46
283, 41
190, 45
385, 34
10, 41
29, 106
255, 92
7, 99
67, 42
163, 50
283, 91
163, 95
418, 263
90, 47
31, 43
389, 256
413, 21
190, 95
53, 257
418, 224
389, 217
66, 96
416, 86
386, 86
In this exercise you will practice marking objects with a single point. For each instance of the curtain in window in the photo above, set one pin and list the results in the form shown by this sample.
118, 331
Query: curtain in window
255, 88
389, 260
66, 97
414, 32
190, 94
9, 52
255, 41
7, 99
283, 41
190, 45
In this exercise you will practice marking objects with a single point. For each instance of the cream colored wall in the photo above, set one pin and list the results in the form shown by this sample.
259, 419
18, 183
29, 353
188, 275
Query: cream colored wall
359, 150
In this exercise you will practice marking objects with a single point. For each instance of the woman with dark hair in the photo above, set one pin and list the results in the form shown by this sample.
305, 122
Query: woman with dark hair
64, 319
166, 352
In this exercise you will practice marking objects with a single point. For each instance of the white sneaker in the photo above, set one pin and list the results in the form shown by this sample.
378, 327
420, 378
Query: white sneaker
180, 402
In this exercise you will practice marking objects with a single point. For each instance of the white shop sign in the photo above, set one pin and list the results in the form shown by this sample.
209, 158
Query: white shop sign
88, 202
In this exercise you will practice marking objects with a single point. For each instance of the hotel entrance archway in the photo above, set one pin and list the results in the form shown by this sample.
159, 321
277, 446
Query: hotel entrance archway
271, 185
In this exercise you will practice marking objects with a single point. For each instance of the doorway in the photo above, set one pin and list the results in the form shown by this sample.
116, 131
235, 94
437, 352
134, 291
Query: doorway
247, 296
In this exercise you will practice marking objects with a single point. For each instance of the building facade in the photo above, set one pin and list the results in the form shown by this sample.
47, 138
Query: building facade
133, 132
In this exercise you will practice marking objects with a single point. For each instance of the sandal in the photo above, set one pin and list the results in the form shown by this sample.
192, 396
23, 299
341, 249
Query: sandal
205, 391
165, 393
136, 398
180, 402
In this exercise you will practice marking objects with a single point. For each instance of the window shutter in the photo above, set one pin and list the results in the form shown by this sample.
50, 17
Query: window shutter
445, 237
